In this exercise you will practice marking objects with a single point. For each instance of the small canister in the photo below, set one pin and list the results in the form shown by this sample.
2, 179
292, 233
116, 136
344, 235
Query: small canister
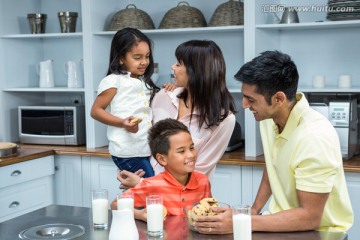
37, 22
67, 21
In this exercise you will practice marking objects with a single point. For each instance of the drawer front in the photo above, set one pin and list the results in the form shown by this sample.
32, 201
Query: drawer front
26, 171
26, 197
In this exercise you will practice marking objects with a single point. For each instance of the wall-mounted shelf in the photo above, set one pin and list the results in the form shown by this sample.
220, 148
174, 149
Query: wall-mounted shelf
330, 89
55, 89
45, 35
225, 29
311, 25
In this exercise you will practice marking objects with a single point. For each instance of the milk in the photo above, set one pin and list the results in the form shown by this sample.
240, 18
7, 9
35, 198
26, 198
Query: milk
155, 218
125, 203
242, 227
100, 211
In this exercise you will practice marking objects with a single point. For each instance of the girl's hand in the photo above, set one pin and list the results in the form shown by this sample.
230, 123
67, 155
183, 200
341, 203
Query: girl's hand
129, 126
169, 87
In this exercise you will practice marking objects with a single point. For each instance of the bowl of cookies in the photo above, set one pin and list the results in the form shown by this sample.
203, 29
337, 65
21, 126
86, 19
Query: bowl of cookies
202, 208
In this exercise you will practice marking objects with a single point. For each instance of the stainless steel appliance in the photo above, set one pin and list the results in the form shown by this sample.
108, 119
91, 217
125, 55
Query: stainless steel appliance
343, 116
58, 125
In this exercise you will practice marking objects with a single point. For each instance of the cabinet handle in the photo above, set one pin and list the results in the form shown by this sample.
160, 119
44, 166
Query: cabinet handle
14, 204
57, 168
15, 173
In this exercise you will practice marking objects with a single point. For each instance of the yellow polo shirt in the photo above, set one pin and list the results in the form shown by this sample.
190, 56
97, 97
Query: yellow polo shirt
306, 156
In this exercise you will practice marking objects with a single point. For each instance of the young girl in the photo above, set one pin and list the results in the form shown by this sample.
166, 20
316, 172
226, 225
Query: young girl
123, 101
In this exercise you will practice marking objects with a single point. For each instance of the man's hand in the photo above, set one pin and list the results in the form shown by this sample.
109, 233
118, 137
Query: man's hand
218, 224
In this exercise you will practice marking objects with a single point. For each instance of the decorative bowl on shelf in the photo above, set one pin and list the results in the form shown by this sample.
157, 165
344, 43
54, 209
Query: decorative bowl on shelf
132, 17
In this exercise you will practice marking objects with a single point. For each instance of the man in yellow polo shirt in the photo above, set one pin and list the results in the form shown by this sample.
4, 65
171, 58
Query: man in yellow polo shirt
304, 174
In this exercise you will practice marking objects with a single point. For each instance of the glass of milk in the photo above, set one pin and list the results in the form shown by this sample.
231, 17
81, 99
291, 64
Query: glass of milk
125, 200
242, 222
100, 208
155, 218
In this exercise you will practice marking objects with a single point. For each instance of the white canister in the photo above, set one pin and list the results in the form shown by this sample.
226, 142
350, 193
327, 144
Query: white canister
345, 81
73, 70
46, 74
318, 81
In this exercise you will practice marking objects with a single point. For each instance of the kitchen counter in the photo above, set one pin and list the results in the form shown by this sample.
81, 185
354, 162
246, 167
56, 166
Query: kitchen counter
28, 152
174, 227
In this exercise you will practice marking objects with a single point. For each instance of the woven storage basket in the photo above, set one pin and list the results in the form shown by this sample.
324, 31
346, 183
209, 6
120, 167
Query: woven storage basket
229, 13
183, 16
131, 17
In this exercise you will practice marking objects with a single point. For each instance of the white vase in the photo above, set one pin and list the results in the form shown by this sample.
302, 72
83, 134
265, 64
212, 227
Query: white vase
123, 226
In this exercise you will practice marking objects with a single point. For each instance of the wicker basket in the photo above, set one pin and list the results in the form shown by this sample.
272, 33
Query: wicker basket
183, 16
229, 13
131, 17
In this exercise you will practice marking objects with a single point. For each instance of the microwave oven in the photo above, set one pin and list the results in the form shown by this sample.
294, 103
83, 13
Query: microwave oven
343, 116
52, 125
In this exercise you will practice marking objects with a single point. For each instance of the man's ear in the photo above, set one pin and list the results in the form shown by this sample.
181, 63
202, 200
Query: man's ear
279, 97
161, 159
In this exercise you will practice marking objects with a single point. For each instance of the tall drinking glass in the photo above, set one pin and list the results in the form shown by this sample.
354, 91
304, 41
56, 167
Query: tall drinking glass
242, 222
155, 218
125, 200
100, 208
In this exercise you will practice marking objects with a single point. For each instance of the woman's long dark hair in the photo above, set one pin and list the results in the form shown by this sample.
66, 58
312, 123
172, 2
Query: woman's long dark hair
123, 41
205, 66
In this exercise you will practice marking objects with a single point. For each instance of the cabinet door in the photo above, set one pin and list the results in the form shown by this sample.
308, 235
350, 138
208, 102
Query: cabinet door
68, 180
22, 198
353, 184
103, 175
226, 184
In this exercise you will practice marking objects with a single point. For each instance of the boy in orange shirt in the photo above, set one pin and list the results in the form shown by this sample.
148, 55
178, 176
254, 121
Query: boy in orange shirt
172, 146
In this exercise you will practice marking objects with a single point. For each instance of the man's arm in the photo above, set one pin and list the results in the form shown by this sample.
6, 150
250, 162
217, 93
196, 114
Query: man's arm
306, 217
263, 194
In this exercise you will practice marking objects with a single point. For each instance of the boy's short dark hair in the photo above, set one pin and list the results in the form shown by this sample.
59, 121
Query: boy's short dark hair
159, 133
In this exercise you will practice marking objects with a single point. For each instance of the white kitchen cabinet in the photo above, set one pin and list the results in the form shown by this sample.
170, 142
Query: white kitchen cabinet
25, 187
102, 175
68, 180
353, 184
226, 184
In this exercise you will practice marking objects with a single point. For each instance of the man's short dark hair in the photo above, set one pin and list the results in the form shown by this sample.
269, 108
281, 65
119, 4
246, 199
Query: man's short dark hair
271, 71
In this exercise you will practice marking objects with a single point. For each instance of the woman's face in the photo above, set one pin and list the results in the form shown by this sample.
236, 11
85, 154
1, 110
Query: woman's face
181, 77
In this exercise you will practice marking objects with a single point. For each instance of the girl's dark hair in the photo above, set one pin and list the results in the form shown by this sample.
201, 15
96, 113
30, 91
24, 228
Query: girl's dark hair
271, 71
123, 41
205, 66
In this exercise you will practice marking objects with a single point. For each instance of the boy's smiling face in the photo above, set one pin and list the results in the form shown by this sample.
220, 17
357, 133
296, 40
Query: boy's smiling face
181, 156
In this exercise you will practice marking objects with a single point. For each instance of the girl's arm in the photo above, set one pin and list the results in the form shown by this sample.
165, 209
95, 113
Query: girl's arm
99, 113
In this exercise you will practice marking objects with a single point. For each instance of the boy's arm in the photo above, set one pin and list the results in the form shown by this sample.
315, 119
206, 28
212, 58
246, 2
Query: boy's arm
140, 214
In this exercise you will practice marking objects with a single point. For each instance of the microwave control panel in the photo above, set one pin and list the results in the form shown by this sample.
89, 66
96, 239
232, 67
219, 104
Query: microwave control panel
340, 113
69, 122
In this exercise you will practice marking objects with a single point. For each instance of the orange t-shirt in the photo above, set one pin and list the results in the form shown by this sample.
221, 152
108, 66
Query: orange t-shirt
175, 195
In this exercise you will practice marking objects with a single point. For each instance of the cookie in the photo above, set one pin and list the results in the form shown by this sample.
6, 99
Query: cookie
136, 120
164, 212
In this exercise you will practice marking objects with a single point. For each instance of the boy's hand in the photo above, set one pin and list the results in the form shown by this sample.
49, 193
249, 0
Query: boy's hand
169, 87
140, 214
